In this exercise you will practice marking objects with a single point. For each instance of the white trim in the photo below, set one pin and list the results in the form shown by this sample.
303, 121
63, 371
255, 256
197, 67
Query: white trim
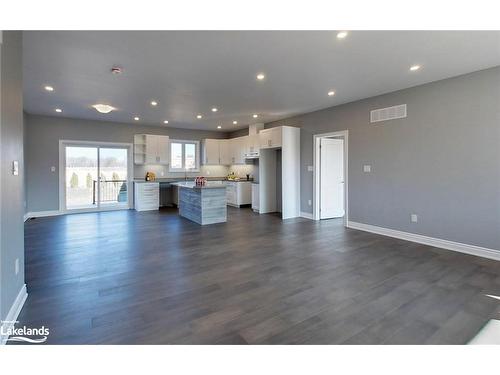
316, 172
306, 215
431, 241
13, 314
488, 335
30, 215
26, 216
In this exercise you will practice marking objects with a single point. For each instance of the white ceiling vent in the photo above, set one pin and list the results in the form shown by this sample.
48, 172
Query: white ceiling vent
389, 113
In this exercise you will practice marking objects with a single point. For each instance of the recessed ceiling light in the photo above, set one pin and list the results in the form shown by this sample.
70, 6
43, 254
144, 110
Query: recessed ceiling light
103, 108
331, 93
136, 118
219, 127
49, 88
154, 103
255, 116
342, 34
199, 116
235, 122
214, 109
165, 122
414, 67
261, 76
116, 70
58, 110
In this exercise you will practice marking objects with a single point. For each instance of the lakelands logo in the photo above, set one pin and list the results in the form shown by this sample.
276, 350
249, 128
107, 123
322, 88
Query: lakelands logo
23, 334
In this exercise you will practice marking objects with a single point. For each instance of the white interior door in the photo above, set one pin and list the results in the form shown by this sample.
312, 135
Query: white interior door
331, 178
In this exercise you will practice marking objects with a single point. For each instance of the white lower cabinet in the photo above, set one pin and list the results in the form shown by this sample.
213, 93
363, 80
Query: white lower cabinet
239, 193
146, 196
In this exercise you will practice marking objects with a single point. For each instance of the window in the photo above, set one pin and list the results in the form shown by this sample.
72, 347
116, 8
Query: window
184, 156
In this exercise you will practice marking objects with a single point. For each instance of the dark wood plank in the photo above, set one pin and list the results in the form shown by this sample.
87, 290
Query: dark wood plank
127, 277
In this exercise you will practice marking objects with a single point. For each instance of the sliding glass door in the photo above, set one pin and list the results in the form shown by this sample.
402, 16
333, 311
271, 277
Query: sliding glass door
95, 176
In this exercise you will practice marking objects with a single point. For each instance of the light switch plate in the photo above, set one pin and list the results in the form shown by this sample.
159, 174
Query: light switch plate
367, 168
15, 168
414, 218
310, 168
52, 169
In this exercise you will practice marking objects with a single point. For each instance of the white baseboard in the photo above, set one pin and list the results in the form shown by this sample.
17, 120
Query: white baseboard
431, 241
306, 215
14, 311
30, 215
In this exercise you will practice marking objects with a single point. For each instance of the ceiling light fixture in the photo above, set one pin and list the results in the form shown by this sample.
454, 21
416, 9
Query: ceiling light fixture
219, 127
331, 93
103, 108
414, 67
116, 70
136, 118
261, 76
154, 103
199, 116
255, 116
165, 122
235, 122
342, 34
49, 88
58, 110
214, 109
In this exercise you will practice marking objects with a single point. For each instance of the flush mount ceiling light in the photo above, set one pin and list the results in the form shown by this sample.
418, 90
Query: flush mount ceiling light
49, 88
414, 68
261, 76
136, 118
58, 110
154, 103
342, 34
331, 93
219, 127
199, 116
214, 109
255, 116
165, 122
235, 122
103, 108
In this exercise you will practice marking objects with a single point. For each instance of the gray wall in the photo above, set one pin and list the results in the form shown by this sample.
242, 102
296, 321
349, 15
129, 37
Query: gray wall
11, 187
42, 151
442, 162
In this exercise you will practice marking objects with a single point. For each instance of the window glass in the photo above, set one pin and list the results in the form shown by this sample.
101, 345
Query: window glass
190, 156
176, 155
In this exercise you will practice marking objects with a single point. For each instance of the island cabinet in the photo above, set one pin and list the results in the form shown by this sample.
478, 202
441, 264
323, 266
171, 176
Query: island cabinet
203, 204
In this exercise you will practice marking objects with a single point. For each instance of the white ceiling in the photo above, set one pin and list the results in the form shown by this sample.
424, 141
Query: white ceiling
189, 72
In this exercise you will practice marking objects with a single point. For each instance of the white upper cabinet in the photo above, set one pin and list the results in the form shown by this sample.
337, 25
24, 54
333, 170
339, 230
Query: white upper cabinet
211, 152
270, 138
151, 149
225, 152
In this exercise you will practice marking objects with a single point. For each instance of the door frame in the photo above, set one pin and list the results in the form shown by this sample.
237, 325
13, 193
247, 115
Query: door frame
317, 172
62, 171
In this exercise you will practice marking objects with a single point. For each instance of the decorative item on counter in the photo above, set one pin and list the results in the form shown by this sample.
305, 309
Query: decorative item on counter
200, 181
150, 176
248, 177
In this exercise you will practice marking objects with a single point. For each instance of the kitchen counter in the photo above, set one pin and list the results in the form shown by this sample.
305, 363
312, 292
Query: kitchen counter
203, 204
208, 185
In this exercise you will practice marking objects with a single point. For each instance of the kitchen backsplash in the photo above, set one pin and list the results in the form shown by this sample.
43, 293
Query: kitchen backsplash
161, 171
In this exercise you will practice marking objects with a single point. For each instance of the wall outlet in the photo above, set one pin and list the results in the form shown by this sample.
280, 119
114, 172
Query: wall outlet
310, 168
162, 173
16, 266
309, 202
208, 173
367, 168
414, 218
52, 169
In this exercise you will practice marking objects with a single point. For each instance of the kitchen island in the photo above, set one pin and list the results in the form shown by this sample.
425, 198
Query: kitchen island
203, 204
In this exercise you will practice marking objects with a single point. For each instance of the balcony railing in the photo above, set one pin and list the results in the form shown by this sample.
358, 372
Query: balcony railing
111, 191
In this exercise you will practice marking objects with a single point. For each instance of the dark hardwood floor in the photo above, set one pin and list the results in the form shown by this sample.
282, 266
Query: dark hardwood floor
125, 277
